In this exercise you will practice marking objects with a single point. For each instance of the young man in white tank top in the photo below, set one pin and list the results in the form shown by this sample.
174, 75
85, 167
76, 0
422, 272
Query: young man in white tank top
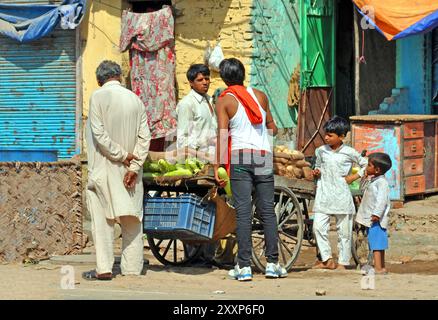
244, 114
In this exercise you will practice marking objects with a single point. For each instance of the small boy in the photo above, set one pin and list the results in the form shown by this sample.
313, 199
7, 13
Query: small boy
374, 208
334, 161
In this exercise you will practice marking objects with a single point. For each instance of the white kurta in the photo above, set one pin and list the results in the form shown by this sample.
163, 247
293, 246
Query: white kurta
375, 201
333, 195
116, 125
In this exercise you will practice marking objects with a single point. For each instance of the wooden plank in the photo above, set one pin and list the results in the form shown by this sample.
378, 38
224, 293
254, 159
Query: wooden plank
430, 170
393, 118
299, 185
434, 190
436, 154
312, 104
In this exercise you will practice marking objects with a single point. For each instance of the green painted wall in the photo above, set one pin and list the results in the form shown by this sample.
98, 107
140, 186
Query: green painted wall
276, 55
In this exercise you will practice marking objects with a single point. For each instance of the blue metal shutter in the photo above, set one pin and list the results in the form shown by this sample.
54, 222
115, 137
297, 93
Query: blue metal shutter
32, 1
38, 94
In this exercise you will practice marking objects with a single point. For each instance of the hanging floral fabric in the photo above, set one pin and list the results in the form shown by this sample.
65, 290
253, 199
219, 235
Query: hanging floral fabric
150, 39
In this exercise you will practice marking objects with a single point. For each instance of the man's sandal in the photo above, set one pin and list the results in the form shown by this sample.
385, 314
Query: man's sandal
93, 275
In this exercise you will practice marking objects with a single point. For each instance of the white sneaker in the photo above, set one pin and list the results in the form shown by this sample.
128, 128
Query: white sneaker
244, 274
274, 271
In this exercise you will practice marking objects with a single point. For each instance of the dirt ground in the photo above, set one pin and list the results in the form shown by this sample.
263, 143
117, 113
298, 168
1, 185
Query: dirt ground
412, 264
44, 281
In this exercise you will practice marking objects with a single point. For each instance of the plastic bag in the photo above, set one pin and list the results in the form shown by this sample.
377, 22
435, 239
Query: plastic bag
207, 53
216, 57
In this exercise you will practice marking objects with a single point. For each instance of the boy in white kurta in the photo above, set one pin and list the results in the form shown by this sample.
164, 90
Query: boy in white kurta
333, 197
118, 140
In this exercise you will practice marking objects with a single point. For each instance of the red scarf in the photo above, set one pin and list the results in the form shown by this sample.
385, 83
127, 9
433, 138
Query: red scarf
251, 108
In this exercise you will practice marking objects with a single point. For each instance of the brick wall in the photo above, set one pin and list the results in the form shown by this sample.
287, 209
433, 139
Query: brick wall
200, 21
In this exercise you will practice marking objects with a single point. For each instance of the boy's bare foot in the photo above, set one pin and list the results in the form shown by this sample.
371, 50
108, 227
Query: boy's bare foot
329, 264
341, 267
318, 263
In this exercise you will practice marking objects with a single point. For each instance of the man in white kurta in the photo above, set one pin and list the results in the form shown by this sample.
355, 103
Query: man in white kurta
118, 140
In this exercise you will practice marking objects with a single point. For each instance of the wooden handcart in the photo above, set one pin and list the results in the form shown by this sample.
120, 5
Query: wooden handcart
292, 197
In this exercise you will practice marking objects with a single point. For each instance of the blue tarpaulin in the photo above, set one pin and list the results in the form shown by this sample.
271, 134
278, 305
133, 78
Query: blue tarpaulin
26, 22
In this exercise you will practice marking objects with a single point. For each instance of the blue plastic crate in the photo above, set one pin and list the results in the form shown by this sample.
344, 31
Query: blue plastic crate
184, 217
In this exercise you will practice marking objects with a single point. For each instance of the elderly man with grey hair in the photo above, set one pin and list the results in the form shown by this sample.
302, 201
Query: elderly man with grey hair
118, 141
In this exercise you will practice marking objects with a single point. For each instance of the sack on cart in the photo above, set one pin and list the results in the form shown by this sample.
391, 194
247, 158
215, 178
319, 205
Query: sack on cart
225, 221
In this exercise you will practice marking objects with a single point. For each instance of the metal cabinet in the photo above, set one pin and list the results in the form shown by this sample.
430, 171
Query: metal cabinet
411, 141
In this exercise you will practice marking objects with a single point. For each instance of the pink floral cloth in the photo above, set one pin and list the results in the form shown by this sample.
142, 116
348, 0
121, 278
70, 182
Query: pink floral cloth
150, 39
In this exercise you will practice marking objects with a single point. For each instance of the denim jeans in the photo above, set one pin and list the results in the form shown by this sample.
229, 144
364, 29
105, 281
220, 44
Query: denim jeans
257, 174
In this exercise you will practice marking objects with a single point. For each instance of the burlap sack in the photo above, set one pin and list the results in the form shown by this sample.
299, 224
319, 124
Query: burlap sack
302, 164
281, 160
282, 155
298, 173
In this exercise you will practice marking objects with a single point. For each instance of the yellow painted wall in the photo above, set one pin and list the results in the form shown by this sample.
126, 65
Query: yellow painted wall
211, 20
100, 36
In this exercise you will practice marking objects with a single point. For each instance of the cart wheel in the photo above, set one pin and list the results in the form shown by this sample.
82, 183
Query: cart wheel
290, 230
172, 251
359, 246
308, 223
359, 243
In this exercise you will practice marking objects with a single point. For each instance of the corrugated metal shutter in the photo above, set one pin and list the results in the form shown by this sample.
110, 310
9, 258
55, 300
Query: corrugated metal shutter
38, 94
32, 1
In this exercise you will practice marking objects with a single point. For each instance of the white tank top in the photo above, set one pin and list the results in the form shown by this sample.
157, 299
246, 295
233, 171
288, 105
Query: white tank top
244, 134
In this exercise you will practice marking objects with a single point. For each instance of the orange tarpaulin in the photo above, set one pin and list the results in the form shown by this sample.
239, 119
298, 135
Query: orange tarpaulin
399, 18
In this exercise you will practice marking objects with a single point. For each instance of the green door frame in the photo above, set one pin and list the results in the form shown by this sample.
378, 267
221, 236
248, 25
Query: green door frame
312, 15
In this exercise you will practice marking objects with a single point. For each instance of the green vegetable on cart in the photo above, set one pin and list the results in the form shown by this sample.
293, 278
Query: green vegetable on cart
191, 164
179, 172
222, 173
162, 167
166, 166
151, 166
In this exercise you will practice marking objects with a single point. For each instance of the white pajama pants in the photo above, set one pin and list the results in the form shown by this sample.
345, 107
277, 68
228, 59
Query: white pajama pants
344, 225
132, 244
